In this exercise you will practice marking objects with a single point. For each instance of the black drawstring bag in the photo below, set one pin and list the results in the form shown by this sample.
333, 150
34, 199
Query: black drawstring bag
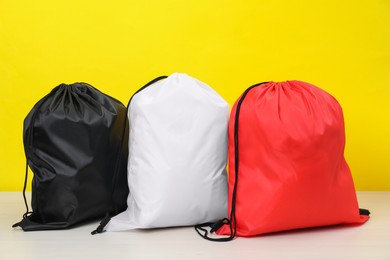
74, 141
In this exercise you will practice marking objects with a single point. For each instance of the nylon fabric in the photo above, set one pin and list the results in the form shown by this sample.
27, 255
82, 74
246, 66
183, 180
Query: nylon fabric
177, 156
72, 141
292, 172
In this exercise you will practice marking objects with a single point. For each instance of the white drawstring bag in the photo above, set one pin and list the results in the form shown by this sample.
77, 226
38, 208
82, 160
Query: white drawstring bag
177, 156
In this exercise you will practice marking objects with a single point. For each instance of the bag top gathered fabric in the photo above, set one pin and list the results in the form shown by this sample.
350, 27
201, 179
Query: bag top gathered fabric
73, 144
177, 156
286, 163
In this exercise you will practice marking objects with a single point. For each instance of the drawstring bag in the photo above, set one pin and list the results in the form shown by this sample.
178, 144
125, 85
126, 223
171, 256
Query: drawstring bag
286, 163
177, 156
73, 144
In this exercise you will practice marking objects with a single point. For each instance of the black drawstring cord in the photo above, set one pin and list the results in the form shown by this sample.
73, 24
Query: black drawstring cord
107, 218
364, 212
200, 229
28, 212
232, 222
125, 124
29, 142
25, 215
103, 223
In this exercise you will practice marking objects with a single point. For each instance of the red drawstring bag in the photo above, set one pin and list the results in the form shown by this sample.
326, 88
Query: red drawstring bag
286, 163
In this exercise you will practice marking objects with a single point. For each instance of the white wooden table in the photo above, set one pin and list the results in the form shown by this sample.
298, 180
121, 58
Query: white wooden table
369, 241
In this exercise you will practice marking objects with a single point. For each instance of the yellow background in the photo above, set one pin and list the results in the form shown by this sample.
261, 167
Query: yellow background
117, 46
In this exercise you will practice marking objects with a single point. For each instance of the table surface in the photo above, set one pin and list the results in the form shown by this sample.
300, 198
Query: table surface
368, 241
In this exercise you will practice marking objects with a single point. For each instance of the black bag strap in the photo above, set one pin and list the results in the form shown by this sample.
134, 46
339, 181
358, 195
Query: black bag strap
145, 86
200, 229
28, 212
364, 212
28, 141
104, 222
125, 124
